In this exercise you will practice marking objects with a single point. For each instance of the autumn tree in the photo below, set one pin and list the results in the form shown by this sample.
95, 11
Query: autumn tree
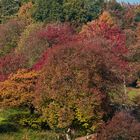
10, 64
116, 37
18, 90
107, 18
24, 12
54, 34
76, 75
132, 42
64, 88
103, 29
57, 33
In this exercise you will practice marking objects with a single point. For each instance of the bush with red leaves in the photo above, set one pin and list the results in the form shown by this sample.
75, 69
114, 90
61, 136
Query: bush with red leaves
56, 33
122, 127
9, 64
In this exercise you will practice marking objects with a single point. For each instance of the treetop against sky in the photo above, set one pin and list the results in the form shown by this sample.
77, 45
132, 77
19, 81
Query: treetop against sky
130, 1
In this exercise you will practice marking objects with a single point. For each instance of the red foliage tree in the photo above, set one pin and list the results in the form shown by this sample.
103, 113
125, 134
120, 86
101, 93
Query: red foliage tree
56, 33
10, 63
112, 34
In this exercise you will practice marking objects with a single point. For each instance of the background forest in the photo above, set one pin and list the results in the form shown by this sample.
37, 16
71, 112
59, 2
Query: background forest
69, 68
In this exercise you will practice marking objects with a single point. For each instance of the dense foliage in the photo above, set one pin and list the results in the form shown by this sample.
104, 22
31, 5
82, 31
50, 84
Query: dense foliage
75, 11
9, 35
122, 127
18, 89
70, 63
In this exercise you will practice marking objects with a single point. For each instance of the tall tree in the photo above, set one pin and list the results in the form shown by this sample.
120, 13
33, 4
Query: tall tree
81, 11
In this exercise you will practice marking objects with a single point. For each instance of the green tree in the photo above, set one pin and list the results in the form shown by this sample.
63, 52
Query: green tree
9, 35
8, 8
74, 11
82, 11
47, 10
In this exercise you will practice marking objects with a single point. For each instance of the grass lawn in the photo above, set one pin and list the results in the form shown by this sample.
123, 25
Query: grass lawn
133, 92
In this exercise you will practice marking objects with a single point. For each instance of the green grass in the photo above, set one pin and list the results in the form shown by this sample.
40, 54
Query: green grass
133, 92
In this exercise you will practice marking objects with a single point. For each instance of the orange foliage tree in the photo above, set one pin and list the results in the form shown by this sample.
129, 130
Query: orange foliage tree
18, 89
24, 12
107, 18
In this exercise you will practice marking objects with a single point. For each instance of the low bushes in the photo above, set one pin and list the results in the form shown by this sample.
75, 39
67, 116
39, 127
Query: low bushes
122, 127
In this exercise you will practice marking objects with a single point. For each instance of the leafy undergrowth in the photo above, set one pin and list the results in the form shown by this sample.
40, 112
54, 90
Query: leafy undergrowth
11, 131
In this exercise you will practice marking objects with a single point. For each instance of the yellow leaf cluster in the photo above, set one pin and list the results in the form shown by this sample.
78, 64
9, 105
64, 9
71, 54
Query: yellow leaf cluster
24, 12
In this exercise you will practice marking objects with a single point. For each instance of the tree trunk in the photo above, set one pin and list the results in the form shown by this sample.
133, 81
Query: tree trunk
124, 85
125, 89
32, 109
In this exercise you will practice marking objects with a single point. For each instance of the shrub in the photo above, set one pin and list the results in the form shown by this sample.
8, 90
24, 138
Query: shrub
34, 121
121, 127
